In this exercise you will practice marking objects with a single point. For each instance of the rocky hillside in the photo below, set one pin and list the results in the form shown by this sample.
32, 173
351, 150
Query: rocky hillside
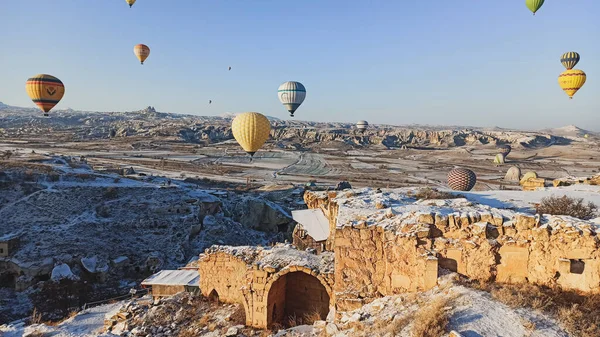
69, 125
73, 222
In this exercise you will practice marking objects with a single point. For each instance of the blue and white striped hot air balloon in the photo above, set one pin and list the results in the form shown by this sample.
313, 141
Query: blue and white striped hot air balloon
291, 94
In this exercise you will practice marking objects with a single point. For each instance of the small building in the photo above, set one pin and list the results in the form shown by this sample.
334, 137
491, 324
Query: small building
171, 282
312, 229
8, 244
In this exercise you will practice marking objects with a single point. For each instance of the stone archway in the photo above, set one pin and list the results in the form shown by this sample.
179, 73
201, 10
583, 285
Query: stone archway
214, 296
297, 296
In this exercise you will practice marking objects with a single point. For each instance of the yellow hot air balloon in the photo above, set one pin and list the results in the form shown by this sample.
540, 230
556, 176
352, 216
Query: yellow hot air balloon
142, 52
571, 80
130, 2
251, 130
45, 91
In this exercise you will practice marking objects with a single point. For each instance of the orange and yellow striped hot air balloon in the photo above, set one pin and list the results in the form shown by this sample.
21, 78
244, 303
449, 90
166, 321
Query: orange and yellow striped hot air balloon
45, 91
142, 52
571, 80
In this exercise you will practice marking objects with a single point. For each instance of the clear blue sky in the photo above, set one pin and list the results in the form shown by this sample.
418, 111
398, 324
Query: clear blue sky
465, 62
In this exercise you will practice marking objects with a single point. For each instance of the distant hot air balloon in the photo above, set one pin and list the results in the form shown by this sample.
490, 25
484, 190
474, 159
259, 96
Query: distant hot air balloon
569, 60
229, 68
504, 149
251, 130
209, 101
45, 91
291, 94
534, 5
362, 125
571, 80
130, 2
142, 52
460, 179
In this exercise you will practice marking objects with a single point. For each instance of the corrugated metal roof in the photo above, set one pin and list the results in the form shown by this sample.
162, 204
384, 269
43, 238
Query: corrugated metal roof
174, 278
314, 222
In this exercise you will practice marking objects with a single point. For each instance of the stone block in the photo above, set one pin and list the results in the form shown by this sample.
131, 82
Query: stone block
524, 222
513, 266
426, 218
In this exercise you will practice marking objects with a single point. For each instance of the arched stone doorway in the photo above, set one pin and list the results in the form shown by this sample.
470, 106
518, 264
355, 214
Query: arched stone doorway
297, 297
213, 296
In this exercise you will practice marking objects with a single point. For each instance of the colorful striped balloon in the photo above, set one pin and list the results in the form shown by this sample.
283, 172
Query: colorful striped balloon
534, 5
291, 94
569, 60
460, 179
45, 91
142, 52
571, 80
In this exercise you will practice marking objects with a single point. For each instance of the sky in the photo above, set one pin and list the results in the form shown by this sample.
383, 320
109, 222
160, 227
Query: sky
460, 62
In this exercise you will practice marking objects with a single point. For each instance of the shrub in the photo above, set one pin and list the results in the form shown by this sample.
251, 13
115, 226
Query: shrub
567, 206
432, 320
429, 193
578, 314
110, 193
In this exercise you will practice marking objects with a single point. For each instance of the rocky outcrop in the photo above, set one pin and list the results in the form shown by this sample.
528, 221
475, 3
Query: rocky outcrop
262, 215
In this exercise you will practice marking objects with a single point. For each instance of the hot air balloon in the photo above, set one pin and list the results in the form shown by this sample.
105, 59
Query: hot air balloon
504, 149
499, 159
291, 94
534, 5
569, 60
45, 91
251, 130
362, 125
209, 101
142, 52
229, 68
460, 179
571, 80
130, 2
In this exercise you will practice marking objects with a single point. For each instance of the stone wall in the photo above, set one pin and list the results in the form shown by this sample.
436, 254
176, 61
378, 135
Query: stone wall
371, 261
224, 274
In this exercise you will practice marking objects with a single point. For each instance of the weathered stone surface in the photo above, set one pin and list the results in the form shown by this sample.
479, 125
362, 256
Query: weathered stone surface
513, 174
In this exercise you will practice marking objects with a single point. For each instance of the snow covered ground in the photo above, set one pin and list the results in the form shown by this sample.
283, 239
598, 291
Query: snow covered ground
87, 323
526, 199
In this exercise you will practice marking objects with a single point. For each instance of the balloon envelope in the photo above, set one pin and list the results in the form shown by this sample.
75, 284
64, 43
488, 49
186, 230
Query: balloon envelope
461, 179
45, 91
571, 80
362, 125
130, 2
291, 94
142, 52
251, 130
534, 5
569, 60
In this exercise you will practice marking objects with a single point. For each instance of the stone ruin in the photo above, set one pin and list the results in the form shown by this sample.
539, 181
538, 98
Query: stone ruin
386, 242
271, 283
